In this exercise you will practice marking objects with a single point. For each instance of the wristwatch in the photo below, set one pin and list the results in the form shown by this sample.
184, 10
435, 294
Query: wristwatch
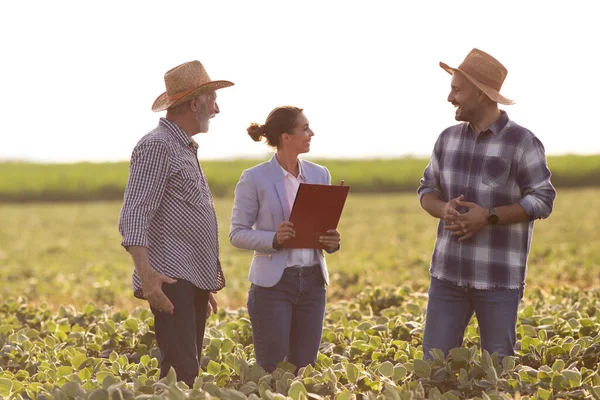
492, 217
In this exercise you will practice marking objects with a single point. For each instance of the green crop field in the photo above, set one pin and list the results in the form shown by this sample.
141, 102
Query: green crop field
70, 328
106, 181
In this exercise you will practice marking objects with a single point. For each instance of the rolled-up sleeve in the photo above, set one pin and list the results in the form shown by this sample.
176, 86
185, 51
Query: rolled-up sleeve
533, 178
430, 181
243, 216
148, 174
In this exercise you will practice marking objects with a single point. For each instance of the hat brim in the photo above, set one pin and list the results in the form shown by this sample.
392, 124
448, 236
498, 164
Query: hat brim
162, 102
493, 94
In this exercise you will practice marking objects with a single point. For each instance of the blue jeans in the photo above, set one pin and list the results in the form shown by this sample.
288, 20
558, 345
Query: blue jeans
287, 319
450, 308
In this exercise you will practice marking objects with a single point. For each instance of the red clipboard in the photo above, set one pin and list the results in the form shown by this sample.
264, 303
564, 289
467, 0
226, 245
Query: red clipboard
316, 209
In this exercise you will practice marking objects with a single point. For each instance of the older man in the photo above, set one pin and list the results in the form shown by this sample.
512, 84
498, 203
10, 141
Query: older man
487, 181
168, 220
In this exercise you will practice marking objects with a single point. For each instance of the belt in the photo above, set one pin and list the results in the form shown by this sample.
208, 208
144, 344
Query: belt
303, 271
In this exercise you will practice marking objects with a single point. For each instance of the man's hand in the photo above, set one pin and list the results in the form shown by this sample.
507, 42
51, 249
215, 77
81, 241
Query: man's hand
212, 305
152, 291
469, 223
331, 241
285, 231
450, 213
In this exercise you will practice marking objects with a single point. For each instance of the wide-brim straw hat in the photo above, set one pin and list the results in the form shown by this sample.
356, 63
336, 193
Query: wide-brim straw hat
485, 72
184, 82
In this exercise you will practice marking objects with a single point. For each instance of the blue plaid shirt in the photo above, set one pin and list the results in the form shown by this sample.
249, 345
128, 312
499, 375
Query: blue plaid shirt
504, 164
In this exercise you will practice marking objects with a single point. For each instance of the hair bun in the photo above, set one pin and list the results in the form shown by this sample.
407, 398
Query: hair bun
256, 131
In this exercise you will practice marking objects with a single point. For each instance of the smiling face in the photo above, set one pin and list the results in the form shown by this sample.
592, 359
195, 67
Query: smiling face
466, 97
298, 140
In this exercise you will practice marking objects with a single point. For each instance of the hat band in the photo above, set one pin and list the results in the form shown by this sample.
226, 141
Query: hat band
180, 95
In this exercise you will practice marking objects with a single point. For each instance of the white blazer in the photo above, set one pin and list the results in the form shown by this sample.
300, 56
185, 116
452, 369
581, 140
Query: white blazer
259, 207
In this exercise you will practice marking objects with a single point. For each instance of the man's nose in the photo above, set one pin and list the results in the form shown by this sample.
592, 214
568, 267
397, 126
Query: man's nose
217, 109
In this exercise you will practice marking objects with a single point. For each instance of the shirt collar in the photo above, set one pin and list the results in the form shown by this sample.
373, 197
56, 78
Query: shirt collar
178, 133
496, 126
286, 173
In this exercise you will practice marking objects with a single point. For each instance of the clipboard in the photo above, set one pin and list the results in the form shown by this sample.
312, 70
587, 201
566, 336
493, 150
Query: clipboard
317, 208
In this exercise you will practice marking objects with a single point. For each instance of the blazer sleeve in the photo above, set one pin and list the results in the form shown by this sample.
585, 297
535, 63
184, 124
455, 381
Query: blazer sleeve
244, 214
328, 182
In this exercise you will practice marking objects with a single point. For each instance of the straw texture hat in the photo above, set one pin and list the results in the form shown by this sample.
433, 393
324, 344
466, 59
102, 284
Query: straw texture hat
185, 82
485, 72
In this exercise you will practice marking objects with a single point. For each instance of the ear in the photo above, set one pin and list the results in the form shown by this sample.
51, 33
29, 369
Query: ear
481, 96
195, 104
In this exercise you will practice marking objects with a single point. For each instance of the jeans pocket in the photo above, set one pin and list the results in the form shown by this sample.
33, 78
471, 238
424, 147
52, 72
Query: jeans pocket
496, 171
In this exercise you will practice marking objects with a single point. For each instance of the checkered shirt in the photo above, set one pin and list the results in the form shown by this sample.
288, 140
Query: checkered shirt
168, 208
503, 165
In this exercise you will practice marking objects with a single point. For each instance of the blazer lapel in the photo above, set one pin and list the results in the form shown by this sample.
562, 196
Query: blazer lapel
285, 206
279, 177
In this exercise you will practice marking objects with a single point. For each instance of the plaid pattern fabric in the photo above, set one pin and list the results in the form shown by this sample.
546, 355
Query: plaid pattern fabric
503, 165
168, 208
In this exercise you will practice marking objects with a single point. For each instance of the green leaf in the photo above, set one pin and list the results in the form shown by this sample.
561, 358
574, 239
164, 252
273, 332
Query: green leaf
227, 346
361, 345
345, 395
439, 375
131, 325
171, 376
422, 368
375, 342
463, 377
543, 394
213, 367
99, 394
413, 308
296, 389
574, 377
558, 365
508, 363
73, 389
399, 372
438, 355
450, 396
64, 370
460, 354
287, 366
352, 372
6, 330
527, 312
145, 360
5, 387
386, 369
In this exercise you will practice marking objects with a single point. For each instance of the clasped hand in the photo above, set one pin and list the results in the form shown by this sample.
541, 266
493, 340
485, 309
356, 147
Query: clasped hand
464, 225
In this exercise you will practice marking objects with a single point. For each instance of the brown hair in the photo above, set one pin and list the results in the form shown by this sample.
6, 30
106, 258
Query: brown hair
280, 120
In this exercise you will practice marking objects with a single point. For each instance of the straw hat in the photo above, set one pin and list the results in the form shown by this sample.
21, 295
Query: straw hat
485, 72
185, 82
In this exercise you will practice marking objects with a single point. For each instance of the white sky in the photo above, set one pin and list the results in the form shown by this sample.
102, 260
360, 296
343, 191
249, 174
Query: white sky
78, 78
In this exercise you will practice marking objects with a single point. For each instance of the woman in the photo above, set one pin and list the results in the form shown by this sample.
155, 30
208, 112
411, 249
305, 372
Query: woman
286, 301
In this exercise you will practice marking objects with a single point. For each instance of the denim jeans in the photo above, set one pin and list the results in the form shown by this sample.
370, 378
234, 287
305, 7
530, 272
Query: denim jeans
180, 335
287, 319
450, 308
